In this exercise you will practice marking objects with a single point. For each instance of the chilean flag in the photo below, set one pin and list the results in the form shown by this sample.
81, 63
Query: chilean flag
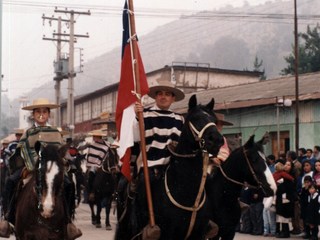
125, 114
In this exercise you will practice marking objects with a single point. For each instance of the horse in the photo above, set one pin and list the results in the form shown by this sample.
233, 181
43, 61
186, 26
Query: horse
179, 200
78, 176
247, 163
104, 186
40, 210
3, 176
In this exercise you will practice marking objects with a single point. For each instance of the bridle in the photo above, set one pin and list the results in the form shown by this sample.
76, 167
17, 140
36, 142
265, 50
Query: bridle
197, 205
109, 169
252, 172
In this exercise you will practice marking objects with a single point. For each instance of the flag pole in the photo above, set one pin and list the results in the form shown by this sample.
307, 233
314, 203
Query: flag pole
140, 114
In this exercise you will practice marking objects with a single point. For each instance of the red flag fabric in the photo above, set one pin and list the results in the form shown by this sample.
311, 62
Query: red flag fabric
126, 98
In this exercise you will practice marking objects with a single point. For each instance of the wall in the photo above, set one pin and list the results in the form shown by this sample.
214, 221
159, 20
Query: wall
264, 119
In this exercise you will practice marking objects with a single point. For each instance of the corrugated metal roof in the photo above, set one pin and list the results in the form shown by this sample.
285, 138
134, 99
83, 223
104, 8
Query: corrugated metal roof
258, 93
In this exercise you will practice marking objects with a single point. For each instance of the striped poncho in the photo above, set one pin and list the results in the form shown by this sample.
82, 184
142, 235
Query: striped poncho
97, 152
161, 128
45, 135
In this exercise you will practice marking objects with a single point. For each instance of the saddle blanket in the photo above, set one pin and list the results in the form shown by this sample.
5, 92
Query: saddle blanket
97, 153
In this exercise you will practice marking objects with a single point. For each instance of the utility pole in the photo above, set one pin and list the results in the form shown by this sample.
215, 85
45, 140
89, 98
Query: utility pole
296, 56
70, 73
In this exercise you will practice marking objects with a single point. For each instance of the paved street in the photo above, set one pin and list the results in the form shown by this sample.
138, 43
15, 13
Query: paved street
90, 232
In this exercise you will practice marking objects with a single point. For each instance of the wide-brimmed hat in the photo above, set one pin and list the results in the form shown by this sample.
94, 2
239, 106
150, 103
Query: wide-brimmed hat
221, 119
63, 132
41, 102
5, 141
19, 132
168, 86
97, 133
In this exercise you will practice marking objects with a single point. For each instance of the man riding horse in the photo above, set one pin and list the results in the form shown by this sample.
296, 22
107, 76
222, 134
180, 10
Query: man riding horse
97, 152
25, 157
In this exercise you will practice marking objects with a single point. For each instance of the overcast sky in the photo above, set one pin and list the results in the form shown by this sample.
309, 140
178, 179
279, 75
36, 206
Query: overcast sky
27, 60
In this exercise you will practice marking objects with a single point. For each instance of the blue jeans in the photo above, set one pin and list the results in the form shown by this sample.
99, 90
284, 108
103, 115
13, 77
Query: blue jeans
269, 221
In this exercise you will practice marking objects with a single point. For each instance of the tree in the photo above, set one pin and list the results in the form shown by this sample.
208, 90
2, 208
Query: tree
256, 68
308, 53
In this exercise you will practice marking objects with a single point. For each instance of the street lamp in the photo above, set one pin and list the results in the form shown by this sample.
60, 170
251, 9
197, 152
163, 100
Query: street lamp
281, 102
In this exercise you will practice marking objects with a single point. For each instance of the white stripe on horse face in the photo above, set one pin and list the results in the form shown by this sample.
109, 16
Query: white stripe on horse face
268, 174
49, 198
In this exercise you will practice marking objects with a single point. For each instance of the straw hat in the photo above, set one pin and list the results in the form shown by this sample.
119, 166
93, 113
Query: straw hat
166, 85
41, 102
63, 132
97, 133
19, 131
5, 141
221, 119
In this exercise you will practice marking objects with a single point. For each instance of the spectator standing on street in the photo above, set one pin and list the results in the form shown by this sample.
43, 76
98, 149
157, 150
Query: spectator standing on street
297, 223
302, 154
306, 170
310, 157
304, 196
316, 173
313, 211
316, 152
269, 217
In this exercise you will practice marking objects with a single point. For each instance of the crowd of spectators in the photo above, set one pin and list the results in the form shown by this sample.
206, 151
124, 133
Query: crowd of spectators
297, 200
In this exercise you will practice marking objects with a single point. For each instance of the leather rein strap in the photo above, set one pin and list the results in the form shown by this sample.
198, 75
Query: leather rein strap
197, 205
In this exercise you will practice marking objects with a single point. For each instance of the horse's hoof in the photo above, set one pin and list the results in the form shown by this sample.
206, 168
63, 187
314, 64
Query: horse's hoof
98, 225
93, 222
108, 227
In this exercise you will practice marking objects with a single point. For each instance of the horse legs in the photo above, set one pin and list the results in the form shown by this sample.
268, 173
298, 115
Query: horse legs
93, 216
98, 215
108, 201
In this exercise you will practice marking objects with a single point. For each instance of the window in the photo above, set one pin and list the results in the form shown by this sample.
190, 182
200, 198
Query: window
96, 107
86, 106
78, 113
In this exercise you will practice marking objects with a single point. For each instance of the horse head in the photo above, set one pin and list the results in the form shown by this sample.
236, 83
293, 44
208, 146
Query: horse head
49, 177
110, 163
261, 175
199, 130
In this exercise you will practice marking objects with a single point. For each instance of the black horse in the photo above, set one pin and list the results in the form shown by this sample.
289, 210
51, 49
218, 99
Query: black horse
104, 186
246, 163
179, 202
78, 175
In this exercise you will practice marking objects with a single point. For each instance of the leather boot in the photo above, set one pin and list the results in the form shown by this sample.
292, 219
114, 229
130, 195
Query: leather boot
212, 230
5, 229
73, 232
151, 233
244, 207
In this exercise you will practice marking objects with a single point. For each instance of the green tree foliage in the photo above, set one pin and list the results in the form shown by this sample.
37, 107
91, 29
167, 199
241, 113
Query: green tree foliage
308, 52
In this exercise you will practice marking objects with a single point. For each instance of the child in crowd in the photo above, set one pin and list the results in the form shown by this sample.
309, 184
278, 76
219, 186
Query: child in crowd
304, 196
313, 211
306, 170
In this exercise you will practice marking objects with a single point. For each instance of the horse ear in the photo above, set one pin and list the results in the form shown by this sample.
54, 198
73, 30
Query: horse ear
192, 102
265, 139
210, 105
249, 143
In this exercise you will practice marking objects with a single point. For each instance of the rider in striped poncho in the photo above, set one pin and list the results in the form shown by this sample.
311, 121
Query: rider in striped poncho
162, 126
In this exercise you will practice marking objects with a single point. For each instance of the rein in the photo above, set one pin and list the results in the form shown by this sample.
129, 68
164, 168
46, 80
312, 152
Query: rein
252, 172
197, 205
